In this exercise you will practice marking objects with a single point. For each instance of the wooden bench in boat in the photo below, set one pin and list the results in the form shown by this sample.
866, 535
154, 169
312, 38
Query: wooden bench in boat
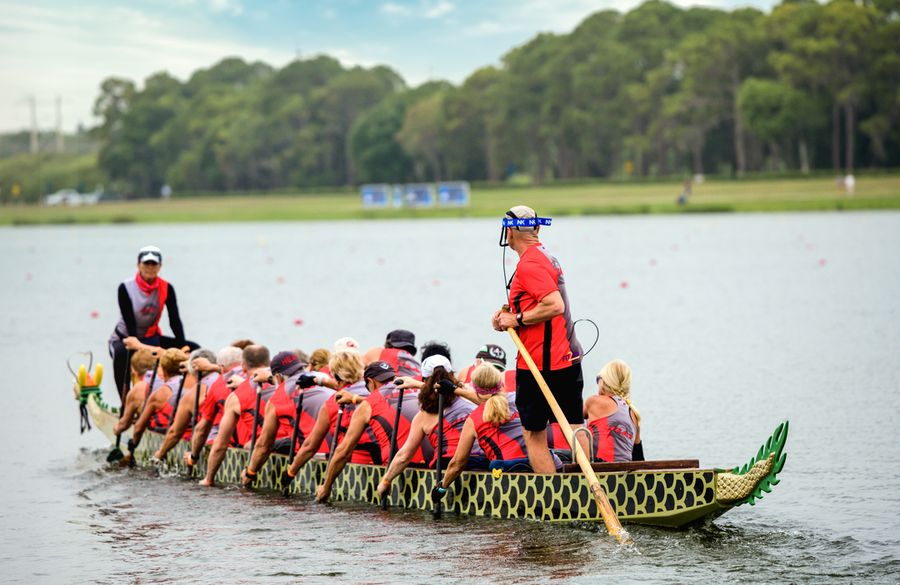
636, 465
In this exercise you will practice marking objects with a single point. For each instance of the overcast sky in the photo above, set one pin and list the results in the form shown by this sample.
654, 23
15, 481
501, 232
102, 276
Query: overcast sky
52, 48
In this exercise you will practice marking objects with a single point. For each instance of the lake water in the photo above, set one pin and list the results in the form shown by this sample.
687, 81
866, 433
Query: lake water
731, 323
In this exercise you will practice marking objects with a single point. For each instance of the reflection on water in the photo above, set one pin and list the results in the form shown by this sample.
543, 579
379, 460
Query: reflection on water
730, 323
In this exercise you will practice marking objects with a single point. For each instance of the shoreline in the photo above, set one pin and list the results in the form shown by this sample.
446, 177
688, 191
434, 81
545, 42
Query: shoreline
784, 195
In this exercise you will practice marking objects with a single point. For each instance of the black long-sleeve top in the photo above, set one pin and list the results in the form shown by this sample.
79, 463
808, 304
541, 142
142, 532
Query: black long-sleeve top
171, 306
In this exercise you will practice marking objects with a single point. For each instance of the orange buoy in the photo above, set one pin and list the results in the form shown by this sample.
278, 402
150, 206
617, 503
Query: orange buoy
280, 280
298, 322
623, 284
95, 314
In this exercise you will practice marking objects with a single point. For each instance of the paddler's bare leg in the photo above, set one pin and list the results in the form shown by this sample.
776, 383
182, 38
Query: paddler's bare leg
538, 452
220, 446
264, 443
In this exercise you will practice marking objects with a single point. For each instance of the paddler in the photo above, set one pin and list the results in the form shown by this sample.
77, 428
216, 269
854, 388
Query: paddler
142, 367
494, 355
539, 310
372, 423
184, 411
439, 377
496, 426
347, 368
239, 413
292, 379
160, 405
229, 363
141, 302
613, 420
399, 351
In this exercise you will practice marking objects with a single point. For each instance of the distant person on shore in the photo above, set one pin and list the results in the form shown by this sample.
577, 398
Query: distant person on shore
850, 185
141, 302
612, 419
686, 192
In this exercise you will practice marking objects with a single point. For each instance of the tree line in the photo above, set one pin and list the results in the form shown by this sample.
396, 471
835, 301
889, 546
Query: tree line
657, 91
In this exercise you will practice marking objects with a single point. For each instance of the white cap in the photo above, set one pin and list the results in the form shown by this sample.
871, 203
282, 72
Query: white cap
346, 344
433, 361
524, 212
150, 254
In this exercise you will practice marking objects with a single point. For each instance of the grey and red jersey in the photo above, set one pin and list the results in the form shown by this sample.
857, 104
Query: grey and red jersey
147, 310
614, 435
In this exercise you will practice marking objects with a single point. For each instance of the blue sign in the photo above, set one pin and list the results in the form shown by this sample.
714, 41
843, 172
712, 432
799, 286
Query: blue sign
377, 195
454, 194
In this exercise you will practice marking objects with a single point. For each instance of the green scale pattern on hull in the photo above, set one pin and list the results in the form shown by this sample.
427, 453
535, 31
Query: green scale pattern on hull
665, 498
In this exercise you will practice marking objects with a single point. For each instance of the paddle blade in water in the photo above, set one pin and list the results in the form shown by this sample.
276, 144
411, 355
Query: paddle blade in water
114, 455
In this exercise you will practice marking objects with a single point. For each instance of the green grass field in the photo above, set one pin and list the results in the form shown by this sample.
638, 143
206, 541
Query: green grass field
873, 192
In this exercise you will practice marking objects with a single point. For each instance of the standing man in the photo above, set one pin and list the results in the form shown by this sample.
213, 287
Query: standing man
539, 309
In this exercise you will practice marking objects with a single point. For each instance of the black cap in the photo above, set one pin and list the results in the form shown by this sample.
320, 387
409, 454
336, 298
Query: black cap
493, 354
380, 372
401, 339
286, 363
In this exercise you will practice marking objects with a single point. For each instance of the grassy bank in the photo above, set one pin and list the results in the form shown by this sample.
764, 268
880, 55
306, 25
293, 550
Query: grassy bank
877, 192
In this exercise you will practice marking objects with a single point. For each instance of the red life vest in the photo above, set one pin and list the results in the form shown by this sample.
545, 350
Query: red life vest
455, 417
216, 394
613, 435
555, 437
408, 411
161, 418
402, 361
246, 394
286, 408
381, 423
331, 406
500, 442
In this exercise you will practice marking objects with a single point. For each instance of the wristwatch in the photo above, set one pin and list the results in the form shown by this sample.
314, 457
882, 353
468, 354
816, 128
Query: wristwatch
520, 319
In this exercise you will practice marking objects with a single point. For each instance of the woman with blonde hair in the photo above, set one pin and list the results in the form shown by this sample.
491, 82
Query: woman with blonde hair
346, 367
612, 419
495, 424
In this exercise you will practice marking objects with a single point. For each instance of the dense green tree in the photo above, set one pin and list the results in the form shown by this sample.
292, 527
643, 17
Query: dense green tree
656, 90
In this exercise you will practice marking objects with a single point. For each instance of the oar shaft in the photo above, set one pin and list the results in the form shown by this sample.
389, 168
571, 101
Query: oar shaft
177, 400
196, 403
394, 432
297, 414
606, 512
134, 443
255, 418
439, 465
337, 431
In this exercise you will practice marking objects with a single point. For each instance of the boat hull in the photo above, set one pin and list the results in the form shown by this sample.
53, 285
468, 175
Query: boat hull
666, 497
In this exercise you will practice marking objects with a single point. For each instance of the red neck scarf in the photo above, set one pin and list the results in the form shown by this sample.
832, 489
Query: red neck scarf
145, 286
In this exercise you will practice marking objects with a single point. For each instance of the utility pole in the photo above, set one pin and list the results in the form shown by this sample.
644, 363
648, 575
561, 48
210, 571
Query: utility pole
60, 144
34, 129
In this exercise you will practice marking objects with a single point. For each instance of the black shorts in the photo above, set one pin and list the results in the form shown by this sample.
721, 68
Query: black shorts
566, 386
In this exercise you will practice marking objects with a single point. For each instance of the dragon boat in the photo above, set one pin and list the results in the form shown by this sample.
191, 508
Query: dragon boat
673, 493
